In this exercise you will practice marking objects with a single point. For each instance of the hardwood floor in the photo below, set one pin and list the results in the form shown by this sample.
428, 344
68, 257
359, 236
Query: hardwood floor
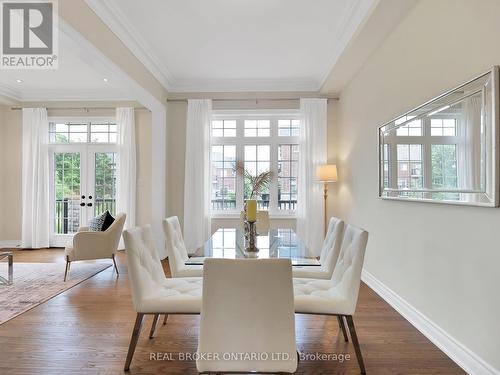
86, 330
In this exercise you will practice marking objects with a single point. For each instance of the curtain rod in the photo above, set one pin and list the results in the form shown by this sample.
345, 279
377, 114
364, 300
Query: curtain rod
246, 99
73, 108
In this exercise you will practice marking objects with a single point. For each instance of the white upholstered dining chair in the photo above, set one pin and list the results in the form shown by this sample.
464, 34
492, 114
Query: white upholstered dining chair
329, 253
90, 245
339, 295
176, 250
152, 292
247, 307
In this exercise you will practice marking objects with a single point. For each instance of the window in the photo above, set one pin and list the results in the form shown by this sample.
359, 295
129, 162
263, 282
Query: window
257, 128
69, 132
443, 127
223, 177
103, 132
444, 166
260, 142
287, 128
423, 154
83, 172
410, 128
257, 159
223, 128
63, 131
409, 166
288, 166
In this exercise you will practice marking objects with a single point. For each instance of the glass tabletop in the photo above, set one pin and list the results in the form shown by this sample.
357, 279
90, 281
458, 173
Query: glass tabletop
229, 243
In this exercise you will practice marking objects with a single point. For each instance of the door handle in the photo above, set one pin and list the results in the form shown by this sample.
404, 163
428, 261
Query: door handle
83, 196
88, 204
82, 204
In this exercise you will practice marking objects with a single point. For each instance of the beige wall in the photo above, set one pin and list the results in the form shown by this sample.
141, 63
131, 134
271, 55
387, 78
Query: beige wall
11, 143
177, 117
442, 259
11, 164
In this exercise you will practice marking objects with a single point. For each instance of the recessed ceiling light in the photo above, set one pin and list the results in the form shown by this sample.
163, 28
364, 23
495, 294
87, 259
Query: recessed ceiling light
19, 80
105, 79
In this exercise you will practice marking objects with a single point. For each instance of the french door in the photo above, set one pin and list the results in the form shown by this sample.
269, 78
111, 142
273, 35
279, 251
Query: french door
83, 185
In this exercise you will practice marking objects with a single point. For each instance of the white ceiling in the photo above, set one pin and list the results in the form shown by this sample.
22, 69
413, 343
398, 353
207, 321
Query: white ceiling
236, 45
78, 77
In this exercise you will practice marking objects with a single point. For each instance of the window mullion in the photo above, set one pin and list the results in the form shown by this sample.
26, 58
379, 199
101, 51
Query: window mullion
273, 186
239, 158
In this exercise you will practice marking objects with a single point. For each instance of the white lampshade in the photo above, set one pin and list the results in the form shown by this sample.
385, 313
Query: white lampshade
327, 173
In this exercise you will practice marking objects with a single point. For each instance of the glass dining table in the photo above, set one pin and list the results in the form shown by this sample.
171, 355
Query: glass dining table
229, 243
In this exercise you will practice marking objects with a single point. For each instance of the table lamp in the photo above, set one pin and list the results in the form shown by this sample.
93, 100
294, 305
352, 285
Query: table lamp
326, 173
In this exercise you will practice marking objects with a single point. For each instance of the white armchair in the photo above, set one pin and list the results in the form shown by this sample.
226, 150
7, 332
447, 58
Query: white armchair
247, 307
176, 250
329, 253
89, 245
339, 295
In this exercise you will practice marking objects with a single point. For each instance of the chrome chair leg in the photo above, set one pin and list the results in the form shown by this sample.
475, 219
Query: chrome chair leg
357, 348
133, 341
153, 326
342, 327
68, 263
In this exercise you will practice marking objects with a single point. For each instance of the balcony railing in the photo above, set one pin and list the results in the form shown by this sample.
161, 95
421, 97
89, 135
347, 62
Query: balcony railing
67, 213
224, 204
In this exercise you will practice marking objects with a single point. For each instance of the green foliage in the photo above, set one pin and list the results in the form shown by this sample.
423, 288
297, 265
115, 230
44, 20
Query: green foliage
254, 186
67, 175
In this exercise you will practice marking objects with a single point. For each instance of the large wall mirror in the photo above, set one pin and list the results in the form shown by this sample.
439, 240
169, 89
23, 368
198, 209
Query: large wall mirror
446, 150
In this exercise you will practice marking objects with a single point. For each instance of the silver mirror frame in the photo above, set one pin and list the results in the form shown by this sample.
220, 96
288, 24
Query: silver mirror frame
493, 197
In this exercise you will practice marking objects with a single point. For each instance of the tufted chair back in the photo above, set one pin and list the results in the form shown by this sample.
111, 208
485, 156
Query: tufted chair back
346, 276
144, 266
176, 249
331, 245
247, 307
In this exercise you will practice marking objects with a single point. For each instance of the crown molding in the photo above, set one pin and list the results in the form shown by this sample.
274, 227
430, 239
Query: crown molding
244, 85
72, 95
114, 18
33, 95
9, 93
354, 19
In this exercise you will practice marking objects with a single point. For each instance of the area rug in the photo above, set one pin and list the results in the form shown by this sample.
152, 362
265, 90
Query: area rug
35, 283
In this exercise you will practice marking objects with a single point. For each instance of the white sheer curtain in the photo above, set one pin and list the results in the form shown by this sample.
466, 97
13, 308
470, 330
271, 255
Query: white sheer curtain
197, 223
126, 168
469, 130
310, 201
35, 179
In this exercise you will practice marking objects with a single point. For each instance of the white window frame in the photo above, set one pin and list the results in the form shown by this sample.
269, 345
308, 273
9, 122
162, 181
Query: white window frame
274, 140
84, 120
426, 140
87, 152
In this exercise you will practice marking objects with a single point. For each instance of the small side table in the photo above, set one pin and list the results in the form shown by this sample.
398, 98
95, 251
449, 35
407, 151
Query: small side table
10, 259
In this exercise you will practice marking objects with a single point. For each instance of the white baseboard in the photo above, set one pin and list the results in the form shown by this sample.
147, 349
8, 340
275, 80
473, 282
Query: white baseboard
461, 355
10, 243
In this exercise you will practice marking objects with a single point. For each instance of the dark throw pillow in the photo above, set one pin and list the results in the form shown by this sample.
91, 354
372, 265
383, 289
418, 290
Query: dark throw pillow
102, 222
107, 221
